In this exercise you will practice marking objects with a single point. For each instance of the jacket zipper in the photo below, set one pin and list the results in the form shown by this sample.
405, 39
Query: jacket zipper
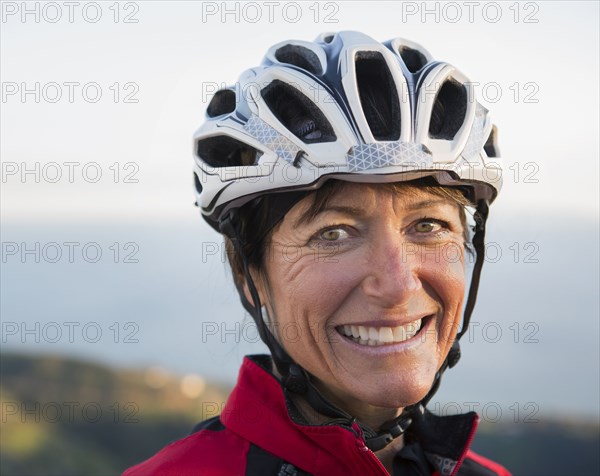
363, 449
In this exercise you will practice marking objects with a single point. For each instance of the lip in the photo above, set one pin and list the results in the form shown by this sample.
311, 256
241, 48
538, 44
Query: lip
387, 322
392, 348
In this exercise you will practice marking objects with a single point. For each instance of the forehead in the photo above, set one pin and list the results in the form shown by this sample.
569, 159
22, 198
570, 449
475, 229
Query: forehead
367, 198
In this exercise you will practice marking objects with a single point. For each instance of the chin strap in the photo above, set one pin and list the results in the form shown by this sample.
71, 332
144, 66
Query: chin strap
480, 216
295, 379
229, 226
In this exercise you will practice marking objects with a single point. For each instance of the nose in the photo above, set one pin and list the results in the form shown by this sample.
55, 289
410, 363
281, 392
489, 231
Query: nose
392, 270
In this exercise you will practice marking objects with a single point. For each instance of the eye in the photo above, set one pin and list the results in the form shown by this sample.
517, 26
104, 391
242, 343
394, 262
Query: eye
334, 237
429, 226
333, 234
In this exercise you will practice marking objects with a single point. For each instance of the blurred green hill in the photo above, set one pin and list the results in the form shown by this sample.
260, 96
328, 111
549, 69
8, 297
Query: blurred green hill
62, 416
66, 417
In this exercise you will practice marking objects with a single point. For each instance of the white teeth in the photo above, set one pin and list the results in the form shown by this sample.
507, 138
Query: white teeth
399, 334
375, 336
412, 328
386, 335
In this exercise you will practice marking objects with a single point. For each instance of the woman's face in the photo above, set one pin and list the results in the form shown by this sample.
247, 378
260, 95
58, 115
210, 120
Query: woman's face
349, 288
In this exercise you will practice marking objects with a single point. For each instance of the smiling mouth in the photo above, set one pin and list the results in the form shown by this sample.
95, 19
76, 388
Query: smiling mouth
376, 336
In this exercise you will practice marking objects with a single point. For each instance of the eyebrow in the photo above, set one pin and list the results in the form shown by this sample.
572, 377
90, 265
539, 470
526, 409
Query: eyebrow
429, 203
309, 214
359, 212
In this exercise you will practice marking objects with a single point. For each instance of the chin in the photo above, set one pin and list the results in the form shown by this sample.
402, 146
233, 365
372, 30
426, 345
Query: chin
393, 392
400, 396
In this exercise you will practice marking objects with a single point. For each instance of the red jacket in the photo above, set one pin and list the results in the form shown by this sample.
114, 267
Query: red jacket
255, 435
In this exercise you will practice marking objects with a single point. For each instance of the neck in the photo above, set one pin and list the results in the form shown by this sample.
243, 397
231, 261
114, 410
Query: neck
369, 415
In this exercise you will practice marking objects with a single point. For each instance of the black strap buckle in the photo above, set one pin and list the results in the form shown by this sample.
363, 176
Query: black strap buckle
384, 438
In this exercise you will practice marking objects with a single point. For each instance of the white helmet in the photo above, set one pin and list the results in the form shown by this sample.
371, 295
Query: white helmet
251, 145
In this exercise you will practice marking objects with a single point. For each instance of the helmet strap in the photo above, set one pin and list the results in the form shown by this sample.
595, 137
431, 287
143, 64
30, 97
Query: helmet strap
229, 225
481, 215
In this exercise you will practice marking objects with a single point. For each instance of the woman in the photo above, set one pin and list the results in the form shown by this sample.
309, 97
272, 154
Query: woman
341, 174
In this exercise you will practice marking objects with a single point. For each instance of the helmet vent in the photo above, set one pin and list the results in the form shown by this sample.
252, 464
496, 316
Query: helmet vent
197, 183
223, 151
413, 59
328, 38
223, 102
449, 110
378, 95
301, 57
298, 113
491, 144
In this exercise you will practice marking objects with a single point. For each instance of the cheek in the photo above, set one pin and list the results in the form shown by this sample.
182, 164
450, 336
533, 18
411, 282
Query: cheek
445, 271
304, 295
447, 280
454, 281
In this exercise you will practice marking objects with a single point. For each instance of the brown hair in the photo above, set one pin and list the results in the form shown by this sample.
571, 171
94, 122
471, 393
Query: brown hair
257, 231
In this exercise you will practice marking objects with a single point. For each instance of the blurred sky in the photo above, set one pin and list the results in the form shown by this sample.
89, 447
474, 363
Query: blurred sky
537, 63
